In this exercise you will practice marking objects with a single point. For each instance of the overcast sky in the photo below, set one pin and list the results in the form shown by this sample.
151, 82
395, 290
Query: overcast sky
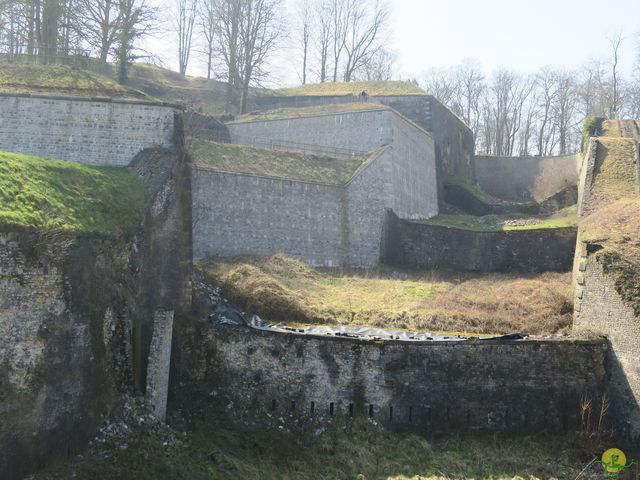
521, 34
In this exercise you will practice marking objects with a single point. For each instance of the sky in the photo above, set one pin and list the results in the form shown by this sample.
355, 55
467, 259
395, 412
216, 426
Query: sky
517, 34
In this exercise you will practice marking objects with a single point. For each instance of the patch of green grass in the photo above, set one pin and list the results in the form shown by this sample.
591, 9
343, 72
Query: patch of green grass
280, 288
54, 194
283, 113
61, 80
354, 88
271, 163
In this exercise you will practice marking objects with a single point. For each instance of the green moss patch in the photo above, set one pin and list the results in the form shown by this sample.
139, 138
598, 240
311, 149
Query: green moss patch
61, 80
615, 173
296, 166
354, 88
54, 194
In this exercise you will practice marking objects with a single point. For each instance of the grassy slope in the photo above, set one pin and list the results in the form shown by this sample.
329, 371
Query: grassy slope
566, 217
354, 88
60, 79
614, 223
282, 289
237, 158
283, 113
53, 194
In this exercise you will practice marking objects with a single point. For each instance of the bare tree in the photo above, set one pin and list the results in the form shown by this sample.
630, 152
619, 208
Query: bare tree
260, 29
100, 25
365, 23
304, 31
208, 20
615, 42
563, 108
378, 66
137, 21
321, 36
186, 11
338, 13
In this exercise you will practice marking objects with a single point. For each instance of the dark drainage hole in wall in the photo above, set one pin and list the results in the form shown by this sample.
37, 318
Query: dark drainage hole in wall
293, 405
331, 409
274, 404
313, 407
351, 409
370, 410
391, 414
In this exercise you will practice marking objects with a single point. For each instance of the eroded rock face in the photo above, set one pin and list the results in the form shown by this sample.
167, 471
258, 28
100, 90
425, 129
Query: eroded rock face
76, 318
65, 328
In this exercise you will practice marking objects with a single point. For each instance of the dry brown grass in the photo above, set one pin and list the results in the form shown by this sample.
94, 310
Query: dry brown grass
282, 289
615, 171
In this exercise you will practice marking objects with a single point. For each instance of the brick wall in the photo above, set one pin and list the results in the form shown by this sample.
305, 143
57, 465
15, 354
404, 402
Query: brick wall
91, 131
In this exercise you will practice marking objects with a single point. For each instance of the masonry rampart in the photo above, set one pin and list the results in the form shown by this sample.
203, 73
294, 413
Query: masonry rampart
435, 246
290, 380
350, 131
454, 142
524, 179
327, 225
414, 174
600, 308
242, 214
94, 131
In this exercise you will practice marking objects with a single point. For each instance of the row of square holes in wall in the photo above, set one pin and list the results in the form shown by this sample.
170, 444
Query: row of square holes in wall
332, 410
391, 416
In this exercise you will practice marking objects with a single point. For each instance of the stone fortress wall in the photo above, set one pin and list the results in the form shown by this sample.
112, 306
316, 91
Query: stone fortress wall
599, 307
95, 131
327, 225
454, 144
491, 385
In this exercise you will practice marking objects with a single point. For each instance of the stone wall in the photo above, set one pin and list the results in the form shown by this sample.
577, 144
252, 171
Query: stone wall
599, 306
240, 214
288, 380
454, 142
86, 130
327, 225
433, 246
64, 328
600, 310
77, 318
526, 178
336, 134
414, 172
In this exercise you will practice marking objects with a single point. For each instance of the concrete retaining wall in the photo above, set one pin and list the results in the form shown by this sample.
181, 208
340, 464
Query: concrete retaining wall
91, 131
486, 385
526, 178
433, 246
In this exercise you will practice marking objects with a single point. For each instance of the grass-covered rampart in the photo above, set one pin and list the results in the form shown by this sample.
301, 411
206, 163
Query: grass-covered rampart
354, 88
43, 193
273, 163
61, 80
